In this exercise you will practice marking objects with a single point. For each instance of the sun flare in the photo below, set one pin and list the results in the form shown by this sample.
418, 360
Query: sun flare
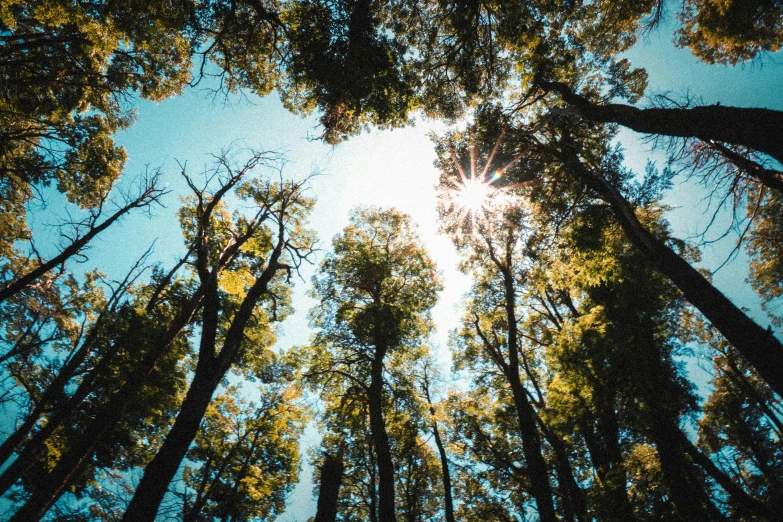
474, 194
474, 199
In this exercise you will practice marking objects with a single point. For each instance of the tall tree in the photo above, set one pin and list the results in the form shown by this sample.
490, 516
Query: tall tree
241, 301
440, 443
376, 290
489, 230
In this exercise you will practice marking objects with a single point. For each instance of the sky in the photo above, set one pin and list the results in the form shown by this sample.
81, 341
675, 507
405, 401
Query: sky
389, 168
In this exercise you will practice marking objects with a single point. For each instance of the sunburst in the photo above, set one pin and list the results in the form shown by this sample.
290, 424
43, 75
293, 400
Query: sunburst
475, 199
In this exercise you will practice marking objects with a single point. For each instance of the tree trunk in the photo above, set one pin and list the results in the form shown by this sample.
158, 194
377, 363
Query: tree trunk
386, 503
540, 487
574, 498
162, 468
70, 465
20, 284
332, 471
210, 369
690, 500
55, 400
609, 455
757, 129
758, 345
448, 502
742, 501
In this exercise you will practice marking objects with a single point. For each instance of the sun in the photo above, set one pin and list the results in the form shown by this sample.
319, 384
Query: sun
474, 194
474, 199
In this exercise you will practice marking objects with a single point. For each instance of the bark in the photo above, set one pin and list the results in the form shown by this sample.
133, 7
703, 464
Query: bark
757, 129
169, 457
574, 498
332, 471
652, 383
540, 487
690, 500
380, 440
210, 370
758, 345
742, 501
607, 456
448, 501
159, 472
56, 401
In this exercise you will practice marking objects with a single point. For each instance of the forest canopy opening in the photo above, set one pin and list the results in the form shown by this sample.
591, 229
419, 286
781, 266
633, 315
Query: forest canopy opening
516, 310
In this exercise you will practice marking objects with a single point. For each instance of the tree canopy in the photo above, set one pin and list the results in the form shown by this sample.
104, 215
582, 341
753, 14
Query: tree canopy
162, 392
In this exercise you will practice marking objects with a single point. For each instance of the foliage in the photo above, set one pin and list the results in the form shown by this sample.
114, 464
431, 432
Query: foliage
574, 399
246, 456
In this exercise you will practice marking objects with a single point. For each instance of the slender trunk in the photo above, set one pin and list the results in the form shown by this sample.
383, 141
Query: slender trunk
758, 345
102, 421
191, 514
19, 284
35, 446
332, 471
609, 456
540, 487
735, 374
444, 466
652, 383
743, 502
412, 489
574, 498
67, 470
159, 472
71, 465
230, 503
380, 440
206, 486
691, 502
56, 400
162, 468
757, 129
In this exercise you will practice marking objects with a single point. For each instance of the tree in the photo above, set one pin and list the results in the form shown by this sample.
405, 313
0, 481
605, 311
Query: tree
489, 230
590, 300
101, 347
426, 389
66, 73
246, 456
330, 479
731, 32
23, 275
271, 242
763, 246
751, 128
742, 425
576, 158
376, 290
